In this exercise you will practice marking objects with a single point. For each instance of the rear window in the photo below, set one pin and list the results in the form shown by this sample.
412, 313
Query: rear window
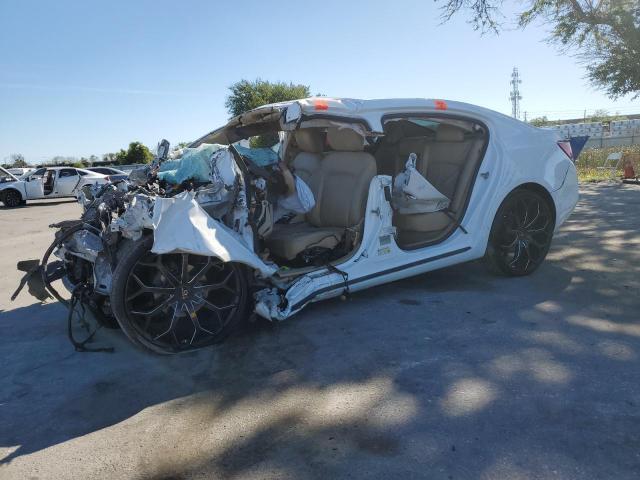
68, 172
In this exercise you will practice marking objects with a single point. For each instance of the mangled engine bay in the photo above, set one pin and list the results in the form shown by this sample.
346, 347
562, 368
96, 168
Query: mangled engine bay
196, 218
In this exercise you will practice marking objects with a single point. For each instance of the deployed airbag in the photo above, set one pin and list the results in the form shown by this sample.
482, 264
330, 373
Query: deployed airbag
194, 165
412, 193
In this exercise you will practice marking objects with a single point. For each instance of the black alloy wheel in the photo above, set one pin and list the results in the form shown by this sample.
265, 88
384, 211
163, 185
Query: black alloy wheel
12, 199
521, 233
178, 302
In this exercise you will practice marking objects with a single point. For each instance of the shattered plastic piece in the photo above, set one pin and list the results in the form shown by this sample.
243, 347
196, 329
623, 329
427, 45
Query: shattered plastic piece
412, 193
136, 217
139, 176
85, 244
181, 225
194, 165
102, 275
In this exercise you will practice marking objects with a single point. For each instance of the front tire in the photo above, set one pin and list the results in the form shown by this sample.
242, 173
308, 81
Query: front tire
12, 199
179, 302
521, 234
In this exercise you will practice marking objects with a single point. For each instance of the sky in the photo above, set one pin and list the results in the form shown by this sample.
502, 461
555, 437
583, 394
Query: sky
79, 77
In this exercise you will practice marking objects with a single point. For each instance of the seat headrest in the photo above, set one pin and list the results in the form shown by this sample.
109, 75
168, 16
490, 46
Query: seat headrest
345, 139
309, 140
393, 132
447, 133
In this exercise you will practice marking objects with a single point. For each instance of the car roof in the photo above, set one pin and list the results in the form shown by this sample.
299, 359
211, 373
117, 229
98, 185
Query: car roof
107, 167
90, 172
371, 113
75, 168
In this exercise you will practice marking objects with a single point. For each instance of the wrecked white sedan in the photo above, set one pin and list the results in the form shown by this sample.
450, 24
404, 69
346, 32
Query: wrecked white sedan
185, 250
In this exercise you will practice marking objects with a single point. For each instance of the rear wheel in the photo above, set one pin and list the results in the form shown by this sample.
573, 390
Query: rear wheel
177, 302
12, 199
521, 234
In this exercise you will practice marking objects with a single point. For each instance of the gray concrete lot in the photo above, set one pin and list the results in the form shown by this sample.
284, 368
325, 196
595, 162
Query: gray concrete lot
456, 374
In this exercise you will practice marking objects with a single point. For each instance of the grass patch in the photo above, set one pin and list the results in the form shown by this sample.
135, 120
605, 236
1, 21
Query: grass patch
594, 175
590, 159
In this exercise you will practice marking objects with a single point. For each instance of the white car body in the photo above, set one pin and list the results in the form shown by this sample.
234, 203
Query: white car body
400, 187
51, 182
517, 154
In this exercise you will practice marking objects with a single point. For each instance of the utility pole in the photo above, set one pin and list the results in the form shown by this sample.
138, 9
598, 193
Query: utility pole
515, 93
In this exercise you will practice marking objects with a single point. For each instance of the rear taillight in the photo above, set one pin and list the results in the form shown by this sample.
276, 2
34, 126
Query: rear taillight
565, 146
108, 178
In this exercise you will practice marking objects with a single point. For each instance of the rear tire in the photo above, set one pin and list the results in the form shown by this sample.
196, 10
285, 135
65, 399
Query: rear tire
521, 234
12, 199
177, 302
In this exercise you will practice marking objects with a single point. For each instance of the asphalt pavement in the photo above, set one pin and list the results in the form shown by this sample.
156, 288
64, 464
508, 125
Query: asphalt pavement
455, 374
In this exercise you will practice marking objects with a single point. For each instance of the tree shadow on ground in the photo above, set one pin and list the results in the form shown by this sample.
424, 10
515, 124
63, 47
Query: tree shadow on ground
452, 374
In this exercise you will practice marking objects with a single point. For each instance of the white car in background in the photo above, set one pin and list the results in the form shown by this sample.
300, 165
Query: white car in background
113, 173
46, 182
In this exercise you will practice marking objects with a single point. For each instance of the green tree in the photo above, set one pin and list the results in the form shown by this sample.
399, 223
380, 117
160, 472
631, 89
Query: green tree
539, 121
246, 95
109, 158
604, 35
18, 161
136, 153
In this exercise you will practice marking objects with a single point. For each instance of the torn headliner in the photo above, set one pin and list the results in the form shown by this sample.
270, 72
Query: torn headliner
269, 118
263, 119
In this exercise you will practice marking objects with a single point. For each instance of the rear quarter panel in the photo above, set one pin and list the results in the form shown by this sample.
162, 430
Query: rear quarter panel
518, 154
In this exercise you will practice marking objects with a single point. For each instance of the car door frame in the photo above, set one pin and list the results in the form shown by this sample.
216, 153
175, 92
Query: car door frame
32, 183
57, 189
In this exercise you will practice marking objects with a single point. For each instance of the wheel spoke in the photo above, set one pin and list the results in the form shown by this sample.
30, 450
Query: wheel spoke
218, 285
210, 306
165, 271
171, 324
517, 254
203, 271
152, 289
185, 268
537, 215
527, 251
540, 229
196, 321
526, 212
155, 309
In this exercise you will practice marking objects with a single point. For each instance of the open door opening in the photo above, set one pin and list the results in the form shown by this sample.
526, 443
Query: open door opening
446, 155
48, 181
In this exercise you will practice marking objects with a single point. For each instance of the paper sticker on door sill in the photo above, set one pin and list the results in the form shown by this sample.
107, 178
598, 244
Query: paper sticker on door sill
384, 251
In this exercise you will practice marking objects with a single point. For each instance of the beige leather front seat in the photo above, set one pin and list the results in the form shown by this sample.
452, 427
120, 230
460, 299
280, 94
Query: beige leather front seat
342, 186
307, 162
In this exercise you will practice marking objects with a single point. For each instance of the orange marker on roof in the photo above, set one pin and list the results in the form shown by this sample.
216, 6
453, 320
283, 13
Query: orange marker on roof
440, 104
321, 105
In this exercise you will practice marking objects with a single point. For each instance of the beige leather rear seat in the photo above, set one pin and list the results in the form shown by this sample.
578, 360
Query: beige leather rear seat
396, 147
341, 186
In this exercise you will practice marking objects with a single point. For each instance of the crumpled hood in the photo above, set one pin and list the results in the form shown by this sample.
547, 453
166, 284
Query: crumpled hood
180, 224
